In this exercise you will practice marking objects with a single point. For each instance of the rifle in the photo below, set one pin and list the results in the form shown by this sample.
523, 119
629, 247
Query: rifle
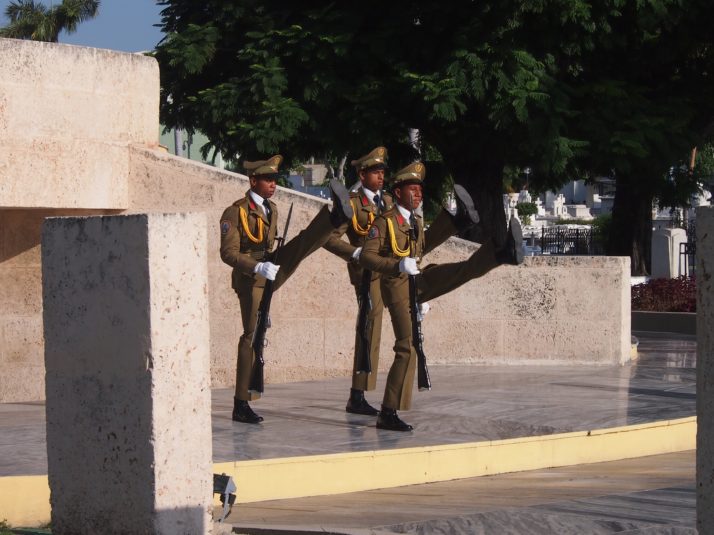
365, 306
423, 381
263, 322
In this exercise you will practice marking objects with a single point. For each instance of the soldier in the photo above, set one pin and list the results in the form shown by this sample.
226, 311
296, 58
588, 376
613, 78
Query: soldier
386, 250
368, 202
248, 229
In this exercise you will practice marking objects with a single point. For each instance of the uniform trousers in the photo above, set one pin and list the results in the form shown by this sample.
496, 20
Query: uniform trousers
368, 381
250, 292
438, 232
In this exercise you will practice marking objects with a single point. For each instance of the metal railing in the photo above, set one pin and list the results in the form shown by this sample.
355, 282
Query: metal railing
566, 241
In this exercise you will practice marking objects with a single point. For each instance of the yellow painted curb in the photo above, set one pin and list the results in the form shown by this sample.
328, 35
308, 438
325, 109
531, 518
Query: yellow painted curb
318, 475
24, 500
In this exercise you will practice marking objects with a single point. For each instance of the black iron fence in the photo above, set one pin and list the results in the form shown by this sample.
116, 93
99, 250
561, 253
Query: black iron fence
585, 241
566, 241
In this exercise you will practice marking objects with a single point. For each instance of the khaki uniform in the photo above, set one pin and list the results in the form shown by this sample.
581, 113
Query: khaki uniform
382, 252
247, 237
356, 230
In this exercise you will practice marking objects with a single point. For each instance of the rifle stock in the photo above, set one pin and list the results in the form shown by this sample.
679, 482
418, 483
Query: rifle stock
257, 383
423, 380
365, 306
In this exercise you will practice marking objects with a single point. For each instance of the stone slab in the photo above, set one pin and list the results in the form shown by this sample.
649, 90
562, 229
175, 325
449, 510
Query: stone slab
127, 357
67, 117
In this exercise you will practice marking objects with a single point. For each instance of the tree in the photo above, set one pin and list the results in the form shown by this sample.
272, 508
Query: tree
644, 101
33, 20
486, 84
704, 165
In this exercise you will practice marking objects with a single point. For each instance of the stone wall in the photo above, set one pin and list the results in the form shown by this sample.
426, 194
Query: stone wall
551, 310
67, 115
21, 337
86, 124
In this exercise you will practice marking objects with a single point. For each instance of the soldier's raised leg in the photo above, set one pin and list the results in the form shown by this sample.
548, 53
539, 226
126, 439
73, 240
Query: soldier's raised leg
317, 232
438, 279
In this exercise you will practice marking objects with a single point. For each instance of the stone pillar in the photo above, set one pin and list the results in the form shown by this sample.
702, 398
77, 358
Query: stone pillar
665, 253
127, 374
705, 370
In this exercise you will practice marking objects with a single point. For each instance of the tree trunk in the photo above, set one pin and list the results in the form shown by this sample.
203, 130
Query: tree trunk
631, 230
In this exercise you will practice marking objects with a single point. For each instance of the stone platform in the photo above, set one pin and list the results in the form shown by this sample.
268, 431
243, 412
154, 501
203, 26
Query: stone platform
477, 420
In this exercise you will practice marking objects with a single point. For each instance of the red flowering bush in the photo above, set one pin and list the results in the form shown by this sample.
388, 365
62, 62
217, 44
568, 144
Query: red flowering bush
666, 295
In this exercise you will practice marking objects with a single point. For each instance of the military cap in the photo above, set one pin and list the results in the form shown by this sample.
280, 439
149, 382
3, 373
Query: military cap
377, 157
413, 173
264, 167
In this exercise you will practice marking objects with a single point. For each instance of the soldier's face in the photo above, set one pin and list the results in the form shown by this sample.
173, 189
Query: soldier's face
372, 178
263, 186
407, 192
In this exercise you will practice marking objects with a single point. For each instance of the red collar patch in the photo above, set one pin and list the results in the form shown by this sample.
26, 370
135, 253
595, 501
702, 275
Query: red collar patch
251, 203
400, 219
365, 202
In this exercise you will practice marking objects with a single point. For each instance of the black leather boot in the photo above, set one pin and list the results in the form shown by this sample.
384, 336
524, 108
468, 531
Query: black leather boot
466, 215
512, 251
341, 207
243, 413
389, 420
358, 405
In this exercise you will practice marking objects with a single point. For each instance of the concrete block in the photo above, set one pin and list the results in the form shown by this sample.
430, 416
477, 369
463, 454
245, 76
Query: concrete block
705, 370
67, 117
127, 374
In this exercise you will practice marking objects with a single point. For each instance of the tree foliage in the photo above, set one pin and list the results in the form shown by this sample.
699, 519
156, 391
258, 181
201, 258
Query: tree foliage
565, 87
643, 105
30, 19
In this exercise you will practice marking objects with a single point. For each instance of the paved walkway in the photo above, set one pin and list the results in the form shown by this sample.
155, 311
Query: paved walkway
648, 495
467, 404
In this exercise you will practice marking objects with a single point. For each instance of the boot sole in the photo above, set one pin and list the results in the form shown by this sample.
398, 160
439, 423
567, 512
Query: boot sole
341, 194
463, 197
402, 429
363, 413
247, 421
517, 236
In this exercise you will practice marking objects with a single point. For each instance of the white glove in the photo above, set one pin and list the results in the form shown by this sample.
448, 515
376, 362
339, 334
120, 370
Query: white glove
356, 253
267, 270
408, 265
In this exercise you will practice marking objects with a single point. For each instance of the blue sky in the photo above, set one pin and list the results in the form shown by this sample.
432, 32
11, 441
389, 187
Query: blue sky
125, 25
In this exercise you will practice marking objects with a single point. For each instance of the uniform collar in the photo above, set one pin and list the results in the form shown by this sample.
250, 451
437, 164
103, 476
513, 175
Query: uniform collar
406, 214
370, 194
258, 200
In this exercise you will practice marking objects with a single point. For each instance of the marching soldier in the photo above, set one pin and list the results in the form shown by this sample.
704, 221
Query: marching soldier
368, 202
387, 251
248, 230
